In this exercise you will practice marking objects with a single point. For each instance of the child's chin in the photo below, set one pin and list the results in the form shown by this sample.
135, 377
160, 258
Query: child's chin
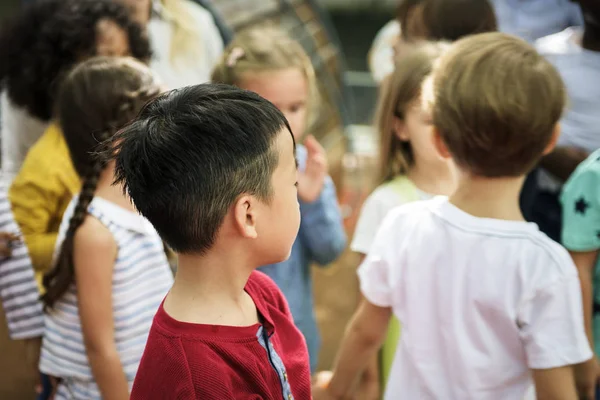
283, 256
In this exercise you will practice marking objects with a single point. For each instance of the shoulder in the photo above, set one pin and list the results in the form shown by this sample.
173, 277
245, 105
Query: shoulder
546, 261
588, 172
94, 239
558, 43
264, 290
414, 209
261, 284
393, 193
584, 183
164, 370
44, 153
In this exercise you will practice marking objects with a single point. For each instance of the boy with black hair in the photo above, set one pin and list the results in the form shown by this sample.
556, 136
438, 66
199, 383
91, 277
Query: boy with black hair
489, 305
213, 168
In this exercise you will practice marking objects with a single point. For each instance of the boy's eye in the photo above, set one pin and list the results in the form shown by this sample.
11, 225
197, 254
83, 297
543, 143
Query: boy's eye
296, 107
296, 184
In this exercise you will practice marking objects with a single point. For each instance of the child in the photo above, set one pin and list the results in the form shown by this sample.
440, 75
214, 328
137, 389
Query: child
186, 43
18, 291
271, 64
213, 168
575, 52
46, 182
37, 47
410, 168
19, 295
418, 20
581, 236
488, 304
111, 272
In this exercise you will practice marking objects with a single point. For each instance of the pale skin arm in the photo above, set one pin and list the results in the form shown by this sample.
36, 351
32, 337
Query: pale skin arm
370, 376
363, 338
586, 374
94, 255
555, 384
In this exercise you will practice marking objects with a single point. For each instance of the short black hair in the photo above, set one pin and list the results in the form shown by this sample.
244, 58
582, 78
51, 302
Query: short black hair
191, 153
46, 39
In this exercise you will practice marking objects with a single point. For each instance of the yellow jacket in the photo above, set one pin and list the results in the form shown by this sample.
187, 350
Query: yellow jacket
40, 194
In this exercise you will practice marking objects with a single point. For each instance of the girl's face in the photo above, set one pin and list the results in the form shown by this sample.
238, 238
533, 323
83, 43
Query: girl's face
111, 39
287, 89
417, 128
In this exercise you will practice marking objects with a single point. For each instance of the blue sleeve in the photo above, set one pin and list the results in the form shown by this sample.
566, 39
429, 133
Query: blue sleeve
575, 15
322, 229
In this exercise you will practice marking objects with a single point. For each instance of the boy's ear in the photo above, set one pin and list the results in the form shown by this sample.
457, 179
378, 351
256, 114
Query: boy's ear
245, 211
400, 131
439, 144
552, 143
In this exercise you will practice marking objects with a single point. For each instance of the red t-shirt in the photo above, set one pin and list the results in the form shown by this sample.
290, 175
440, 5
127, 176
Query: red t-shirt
193, 361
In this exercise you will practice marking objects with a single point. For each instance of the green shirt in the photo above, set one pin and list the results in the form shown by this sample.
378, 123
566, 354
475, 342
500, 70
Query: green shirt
581, 221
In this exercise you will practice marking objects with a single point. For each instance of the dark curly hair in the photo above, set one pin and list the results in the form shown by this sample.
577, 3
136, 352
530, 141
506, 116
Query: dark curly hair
47, 38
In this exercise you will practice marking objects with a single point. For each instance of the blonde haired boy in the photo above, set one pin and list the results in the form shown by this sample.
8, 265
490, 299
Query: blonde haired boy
489, 305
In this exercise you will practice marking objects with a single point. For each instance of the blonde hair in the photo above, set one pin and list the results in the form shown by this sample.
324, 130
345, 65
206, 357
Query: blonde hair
186, 41
398, 92
260, 49
495, 102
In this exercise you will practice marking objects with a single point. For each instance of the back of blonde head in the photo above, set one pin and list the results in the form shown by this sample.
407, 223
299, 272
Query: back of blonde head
400, 90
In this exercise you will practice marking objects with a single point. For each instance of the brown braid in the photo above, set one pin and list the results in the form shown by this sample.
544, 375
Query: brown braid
57, 281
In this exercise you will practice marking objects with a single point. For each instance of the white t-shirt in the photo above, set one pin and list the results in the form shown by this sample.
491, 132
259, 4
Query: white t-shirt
383, 199
19, 131
481, 302
184, 72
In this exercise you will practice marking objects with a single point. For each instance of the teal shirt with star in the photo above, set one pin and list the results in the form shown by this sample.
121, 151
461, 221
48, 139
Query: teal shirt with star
581, 222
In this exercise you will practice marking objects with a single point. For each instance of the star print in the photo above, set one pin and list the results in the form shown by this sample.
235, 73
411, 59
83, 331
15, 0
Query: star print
581, 206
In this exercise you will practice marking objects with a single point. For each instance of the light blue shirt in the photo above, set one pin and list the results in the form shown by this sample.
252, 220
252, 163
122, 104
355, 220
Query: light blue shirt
533, 19
321, 240
580, 70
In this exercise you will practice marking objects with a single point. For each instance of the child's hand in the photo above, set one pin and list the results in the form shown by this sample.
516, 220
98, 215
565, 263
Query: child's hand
6, 240
312, 179
368, 389
319, 386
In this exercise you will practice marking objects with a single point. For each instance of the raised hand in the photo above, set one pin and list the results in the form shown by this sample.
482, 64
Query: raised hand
312, 179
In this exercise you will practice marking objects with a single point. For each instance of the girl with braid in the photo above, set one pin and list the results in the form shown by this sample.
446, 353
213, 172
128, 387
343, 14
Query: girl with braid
110, 272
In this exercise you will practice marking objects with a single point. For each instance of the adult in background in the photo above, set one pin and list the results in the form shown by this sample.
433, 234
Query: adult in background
36, 48
185, 40
533, 19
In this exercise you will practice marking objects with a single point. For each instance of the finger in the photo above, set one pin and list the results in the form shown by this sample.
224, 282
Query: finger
8, 236
313, 146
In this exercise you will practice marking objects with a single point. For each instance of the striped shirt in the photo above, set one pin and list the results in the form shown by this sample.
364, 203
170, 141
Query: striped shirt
19, 294
141, 279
